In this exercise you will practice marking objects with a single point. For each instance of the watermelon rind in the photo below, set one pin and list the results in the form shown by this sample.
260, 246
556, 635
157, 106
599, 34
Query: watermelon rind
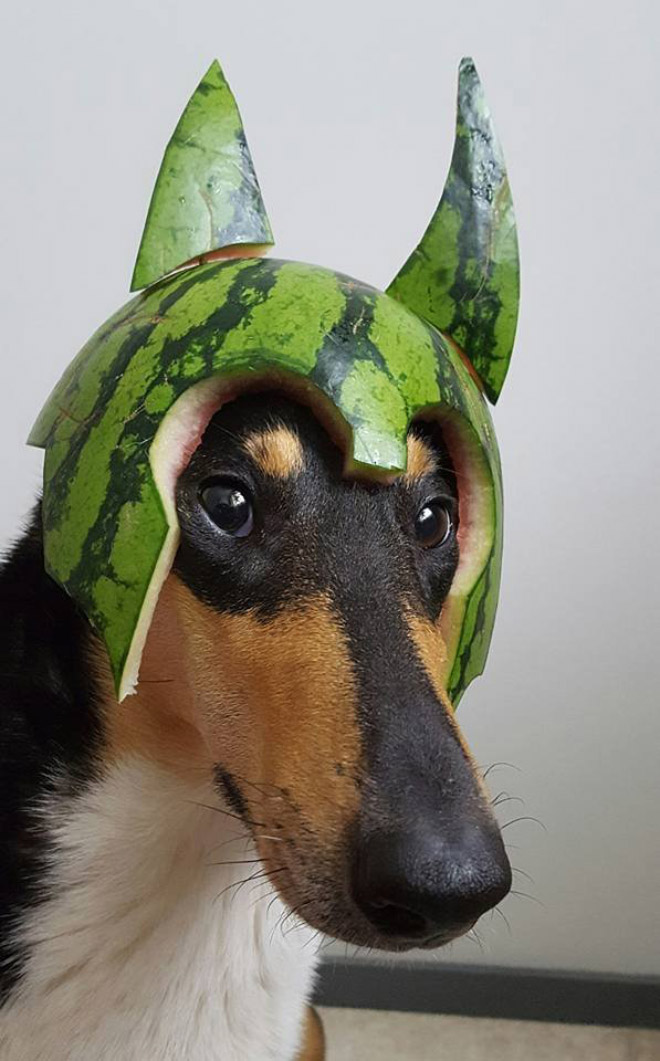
206, 195
464, 276
217, 320
130, 409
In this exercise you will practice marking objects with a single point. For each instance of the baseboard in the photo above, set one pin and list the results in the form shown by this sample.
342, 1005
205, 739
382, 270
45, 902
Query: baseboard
477, 991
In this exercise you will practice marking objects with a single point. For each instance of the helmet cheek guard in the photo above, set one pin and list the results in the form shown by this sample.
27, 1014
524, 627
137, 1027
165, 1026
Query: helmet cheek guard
216, 319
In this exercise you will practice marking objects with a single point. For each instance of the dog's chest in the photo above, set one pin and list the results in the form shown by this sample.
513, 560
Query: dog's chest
150, 947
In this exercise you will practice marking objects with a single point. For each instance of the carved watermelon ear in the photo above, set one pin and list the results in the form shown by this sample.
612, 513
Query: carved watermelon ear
464, 276
206, 197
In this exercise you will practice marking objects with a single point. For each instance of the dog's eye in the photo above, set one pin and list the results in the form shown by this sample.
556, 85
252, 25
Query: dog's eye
229, 505
433, 524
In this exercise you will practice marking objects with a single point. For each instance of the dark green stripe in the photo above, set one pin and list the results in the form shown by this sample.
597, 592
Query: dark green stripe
124, 467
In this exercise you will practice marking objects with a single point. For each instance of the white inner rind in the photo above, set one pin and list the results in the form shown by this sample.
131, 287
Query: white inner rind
476, 532
176, 439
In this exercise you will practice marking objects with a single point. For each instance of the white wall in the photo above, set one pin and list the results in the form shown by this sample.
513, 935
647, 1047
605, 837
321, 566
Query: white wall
349, 112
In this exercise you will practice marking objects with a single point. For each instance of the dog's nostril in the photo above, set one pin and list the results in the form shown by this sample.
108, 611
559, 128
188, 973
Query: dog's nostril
396, 919
380, 904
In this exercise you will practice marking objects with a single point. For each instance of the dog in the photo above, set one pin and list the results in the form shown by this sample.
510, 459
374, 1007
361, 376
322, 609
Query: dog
289, 769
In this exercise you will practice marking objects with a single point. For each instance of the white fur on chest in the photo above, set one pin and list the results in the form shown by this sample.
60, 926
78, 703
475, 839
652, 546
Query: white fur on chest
149, 951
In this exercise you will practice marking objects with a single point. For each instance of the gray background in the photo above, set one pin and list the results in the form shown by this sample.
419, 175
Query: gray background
349, 110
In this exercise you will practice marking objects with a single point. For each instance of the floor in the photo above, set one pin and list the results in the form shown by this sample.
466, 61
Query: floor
367, 1035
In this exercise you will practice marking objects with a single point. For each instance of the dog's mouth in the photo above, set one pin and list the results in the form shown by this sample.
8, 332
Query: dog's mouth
342, 920
321, 892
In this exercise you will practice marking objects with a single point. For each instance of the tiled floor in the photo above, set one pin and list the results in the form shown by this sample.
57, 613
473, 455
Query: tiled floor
367, 1035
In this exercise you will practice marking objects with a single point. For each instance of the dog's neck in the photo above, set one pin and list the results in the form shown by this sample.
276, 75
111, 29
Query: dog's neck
151, 946
160, 934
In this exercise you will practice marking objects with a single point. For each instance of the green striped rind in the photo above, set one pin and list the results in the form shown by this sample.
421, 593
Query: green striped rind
464, 276
206, 195
377, 363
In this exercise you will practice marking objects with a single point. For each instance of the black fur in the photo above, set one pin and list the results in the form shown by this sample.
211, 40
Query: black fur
50, 727
230, 791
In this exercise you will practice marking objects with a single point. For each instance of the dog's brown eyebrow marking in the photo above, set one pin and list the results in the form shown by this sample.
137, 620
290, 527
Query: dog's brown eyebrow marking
421, 459
277, 451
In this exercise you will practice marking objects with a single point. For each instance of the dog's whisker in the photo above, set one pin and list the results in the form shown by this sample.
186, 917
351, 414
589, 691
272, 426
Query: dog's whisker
524, 818
474, 937
269, 892
246, 839
276, 896
504, 797
246, 880
523, 873
494, 766
260, 785
235, 862
157, 681
497, 910
312, 939
295, 926
215, 427
526, 895
228, 814
292, 913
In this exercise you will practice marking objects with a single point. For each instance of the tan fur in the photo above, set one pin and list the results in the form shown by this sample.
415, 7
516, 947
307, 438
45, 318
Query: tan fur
277, 451
313, 1044
277, 703
421, 459
432, 652
159, 722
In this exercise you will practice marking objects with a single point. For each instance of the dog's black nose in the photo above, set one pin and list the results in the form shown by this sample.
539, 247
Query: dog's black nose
424, 885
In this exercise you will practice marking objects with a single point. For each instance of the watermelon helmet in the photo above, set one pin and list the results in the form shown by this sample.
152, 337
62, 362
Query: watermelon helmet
217, 319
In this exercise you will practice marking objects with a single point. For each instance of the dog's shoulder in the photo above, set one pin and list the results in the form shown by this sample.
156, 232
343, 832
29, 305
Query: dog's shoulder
49, 728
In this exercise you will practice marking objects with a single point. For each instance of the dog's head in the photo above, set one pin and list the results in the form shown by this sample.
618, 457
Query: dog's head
310, 607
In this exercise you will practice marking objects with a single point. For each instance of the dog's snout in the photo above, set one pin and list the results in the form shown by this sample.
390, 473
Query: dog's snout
425, 884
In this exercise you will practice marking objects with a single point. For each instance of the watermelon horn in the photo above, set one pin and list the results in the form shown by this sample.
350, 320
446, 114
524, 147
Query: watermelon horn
464, 276
206, 197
